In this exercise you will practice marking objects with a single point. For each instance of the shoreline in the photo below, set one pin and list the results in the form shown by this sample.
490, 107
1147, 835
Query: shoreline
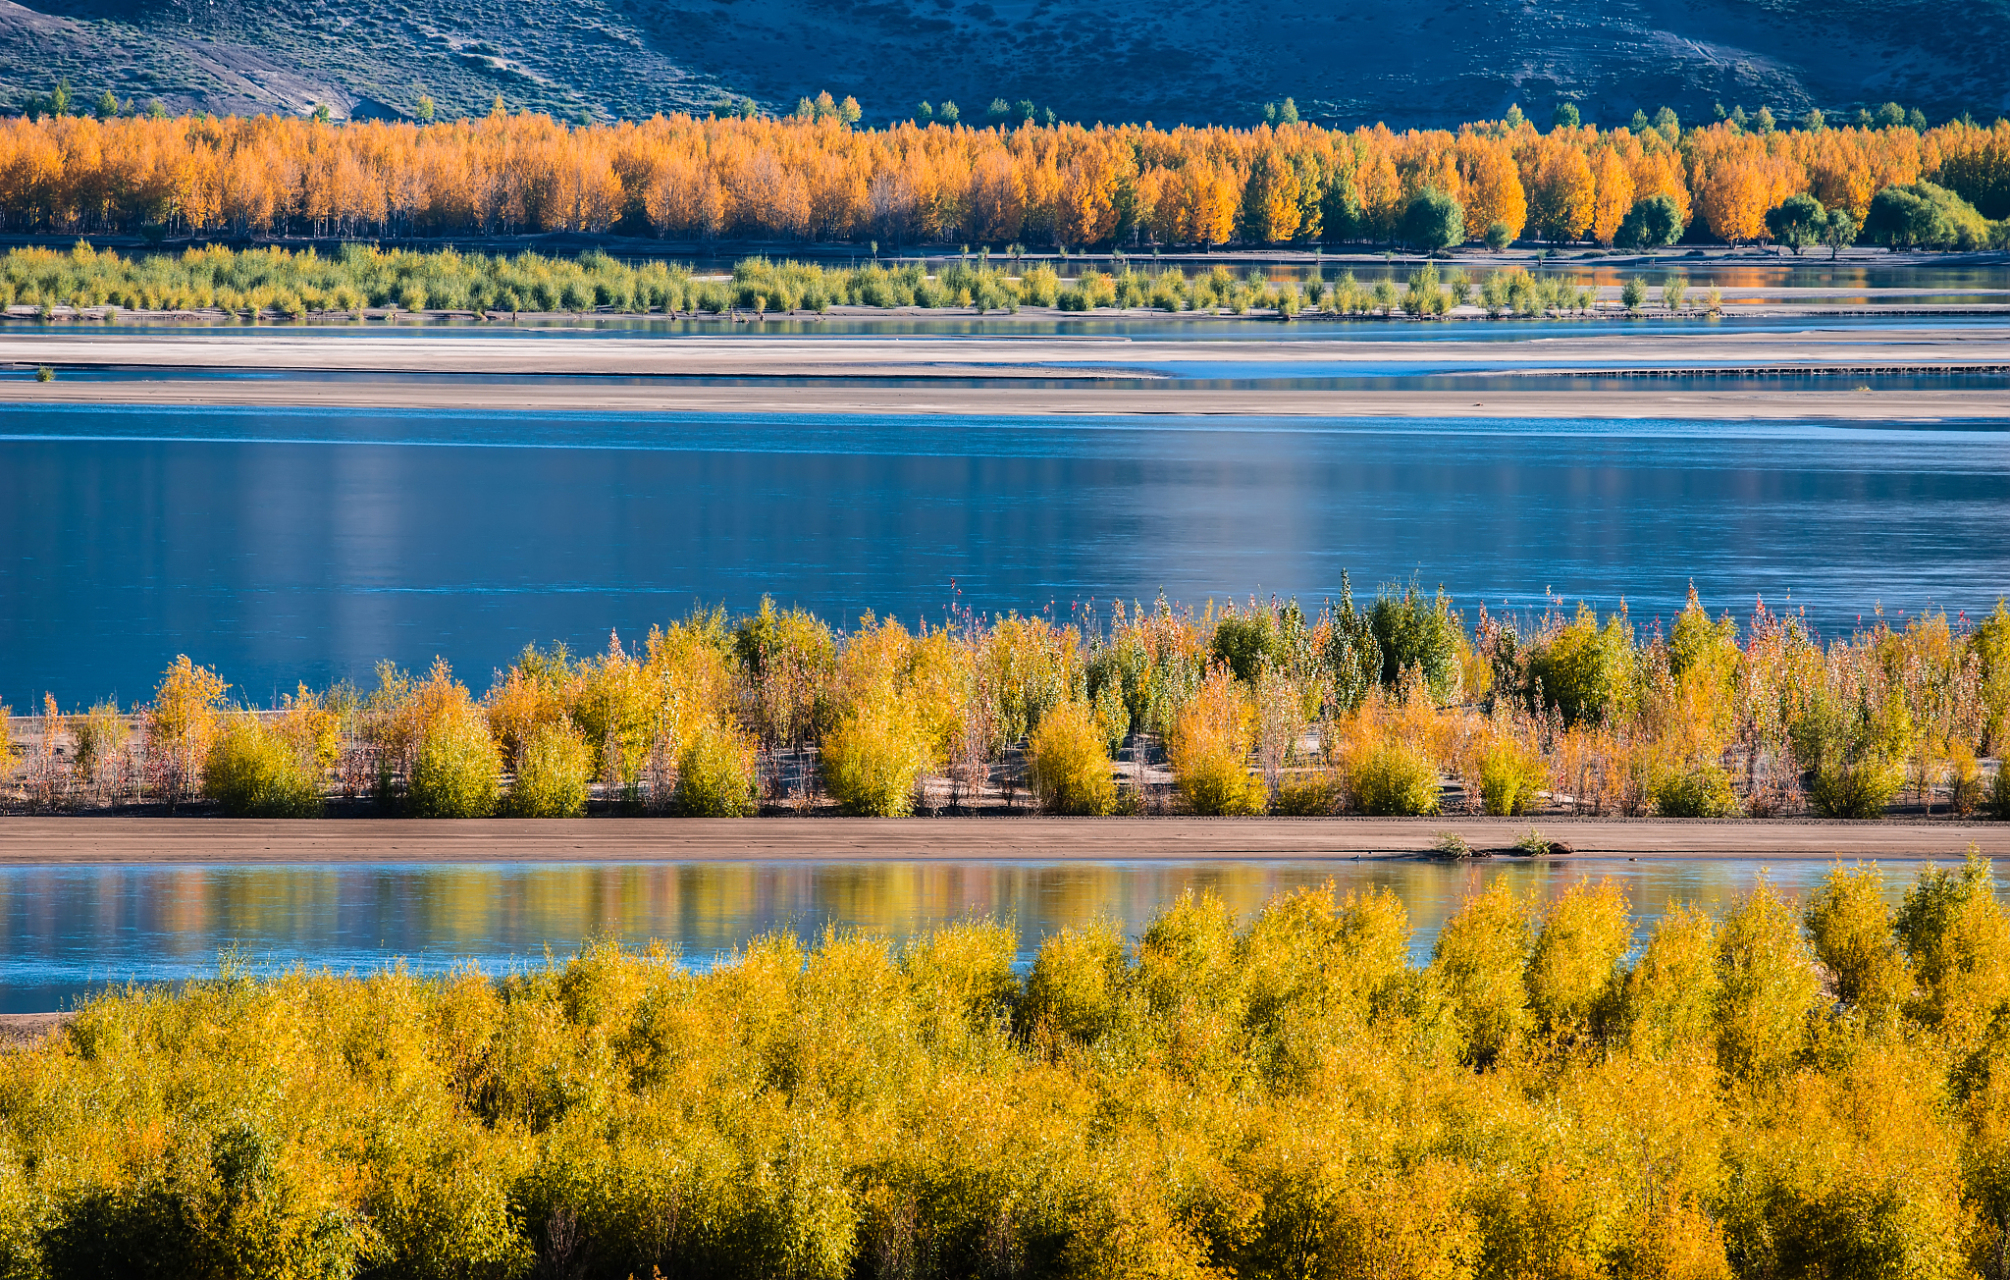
1032, 375
212, 841
1646, 403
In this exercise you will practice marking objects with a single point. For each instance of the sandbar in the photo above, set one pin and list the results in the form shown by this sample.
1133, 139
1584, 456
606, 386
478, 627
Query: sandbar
1834, 373
139, 841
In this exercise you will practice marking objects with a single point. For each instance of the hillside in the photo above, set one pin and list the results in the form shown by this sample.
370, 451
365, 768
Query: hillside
1409, 64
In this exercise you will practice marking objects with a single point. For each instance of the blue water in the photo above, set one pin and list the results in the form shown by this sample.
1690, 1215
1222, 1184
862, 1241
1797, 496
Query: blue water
68, 930
289, 545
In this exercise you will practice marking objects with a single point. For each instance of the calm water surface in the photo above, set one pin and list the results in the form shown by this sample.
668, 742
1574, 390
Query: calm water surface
68, 930
282, 546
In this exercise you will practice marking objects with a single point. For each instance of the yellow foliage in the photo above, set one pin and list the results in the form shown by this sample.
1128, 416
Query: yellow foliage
1210, 747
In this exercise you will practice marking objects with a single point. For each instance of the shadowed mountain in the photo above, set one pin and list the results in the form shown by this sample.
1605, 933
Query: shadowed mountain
1438, 62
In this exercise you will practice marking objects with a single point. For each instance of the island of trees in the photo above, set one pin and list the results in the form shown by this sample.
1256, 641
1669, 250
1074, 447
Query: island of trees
1403, 707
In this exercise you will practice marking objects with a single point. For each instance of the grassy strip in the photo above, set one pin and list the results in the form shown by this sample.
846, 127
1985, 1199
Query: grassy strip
277, 283
1814, 1090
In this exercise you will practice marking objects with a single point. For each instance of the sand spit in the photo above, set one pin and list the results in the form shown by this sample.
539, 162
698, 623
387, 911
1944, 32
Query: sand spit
201, 840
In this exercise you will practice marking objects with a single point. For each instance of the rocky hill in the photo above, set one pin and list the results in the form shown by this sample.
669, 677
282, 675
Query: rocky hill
1434, 62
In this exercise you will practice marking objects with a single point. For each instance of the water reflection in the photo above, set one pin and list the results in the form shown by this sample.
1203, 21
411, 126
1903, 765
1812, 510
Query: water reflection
67, 930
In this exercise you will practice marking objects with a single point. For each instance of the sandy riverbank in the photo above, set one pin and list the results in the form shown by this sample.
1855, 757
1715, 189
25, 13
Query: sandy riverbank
196, 840
850, 375
1646, 402
1281, 352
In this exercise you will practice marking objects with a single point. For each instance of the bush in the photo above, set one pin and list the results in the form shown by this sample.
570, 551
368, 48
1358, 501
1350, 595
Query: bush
1210, 746
1071, 763
1511, 776
716, 776
1701, 791
252, 771
1999, 793
1394, 779
1583, 669
1413, 631
1308, 795
871, 762
1499, 236
1855, 788
458, 770
1922, 215
553, 774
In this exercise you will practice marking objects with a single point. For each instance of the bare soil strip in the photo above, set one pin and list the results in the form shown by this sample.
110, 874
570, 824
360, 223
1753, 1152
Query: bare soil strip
201, 840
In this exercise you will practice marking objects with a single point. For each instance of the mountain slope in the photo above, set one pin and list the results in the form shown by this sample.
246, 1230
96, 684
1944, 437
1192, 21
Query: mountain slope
1432, 62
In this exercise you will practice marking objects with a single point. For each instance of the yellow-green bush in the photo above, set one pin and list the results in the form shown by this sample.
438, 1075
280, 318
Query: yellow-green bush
872, 761
554, 773
1394, 778
715, 775
1209, 749
1699, 791
1308, 795
1071, 763
1511, 776
1283, 1096
457, 772
253, 771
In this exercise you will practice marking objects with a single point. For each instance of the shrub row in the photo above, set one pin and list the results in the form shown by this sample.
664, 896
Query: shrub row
1397, 708
1786, 1091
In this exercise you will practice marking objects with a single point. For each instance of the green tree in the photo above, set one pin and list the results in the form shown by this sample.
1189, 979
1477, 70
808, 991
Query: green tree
948, 113
999, 112
423, 112
1287, 112
108, 105
1652, 222
1565, 116
1839, 232
849, 111
1890, 116
1499, 236
1434, 222
1634, 294
924, 114
1797, 222
1668, 125
1763, 121
1814, 121
1639, 123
